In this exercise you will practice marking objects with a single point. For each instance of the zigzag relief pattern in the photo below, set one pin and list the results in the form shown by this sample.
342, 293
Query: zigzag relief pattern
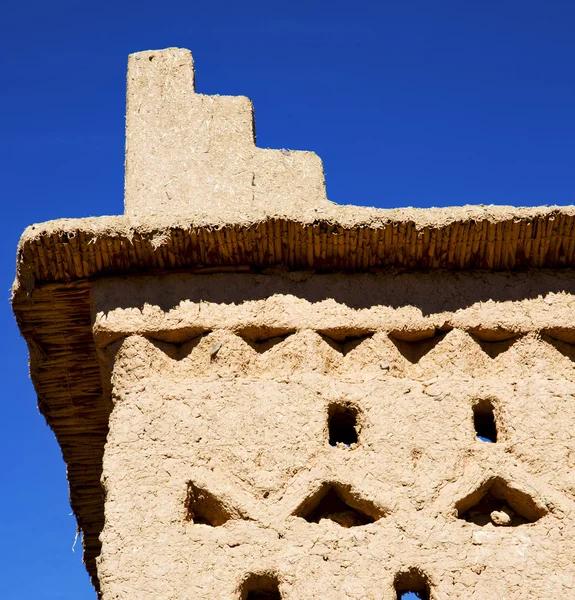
329, 437
291, 459
453, 355
493, 502
330, 502
480, 497
395, 354
314, 433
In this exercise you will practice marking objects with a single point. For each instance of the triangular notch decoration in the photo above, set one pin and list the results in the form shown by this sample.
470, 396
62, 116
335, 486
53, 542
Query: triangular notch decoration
494, 342
563, 334
415, 345
261, 345
339, 503
567, 348
498, 503
345, 341
204, 508
177, 348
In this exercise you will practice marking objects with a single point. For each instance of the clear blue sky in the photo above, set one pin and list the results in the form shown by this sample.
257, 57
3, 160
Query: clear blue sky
411, 102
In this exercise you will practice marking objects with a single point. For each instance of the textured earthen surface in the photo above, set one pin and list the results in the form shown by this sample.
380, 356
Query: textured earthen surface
218, 454
188, 152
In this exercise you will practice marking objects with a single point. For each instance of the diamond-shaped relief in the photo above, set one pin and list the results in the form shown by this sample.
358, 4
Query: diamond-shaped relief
537, 355
446, 353
289, 353
498, 503
265, 443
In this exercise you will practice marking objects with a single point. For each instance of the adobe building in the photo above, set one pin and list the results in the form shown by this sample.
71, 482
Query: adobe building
260, 394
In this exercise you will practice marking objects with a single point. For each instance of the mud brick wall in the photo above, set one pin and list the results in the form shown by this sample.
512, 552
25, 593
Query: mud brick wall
231, 467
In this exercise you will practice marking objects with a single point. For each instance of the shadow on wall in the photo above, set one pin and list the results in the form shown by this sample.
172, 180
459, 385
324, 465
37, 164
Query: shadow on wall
431, 292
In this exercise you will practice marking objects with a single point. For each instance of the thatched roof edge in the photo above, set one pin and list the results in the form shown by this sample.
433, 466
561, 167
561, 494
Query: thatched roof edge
406, 239
57, 261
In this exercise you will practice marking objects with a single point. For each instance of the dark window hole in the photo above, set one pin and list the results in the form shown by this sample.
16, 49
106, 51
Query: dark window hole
263, 595
412, 585
337, 503
484, 422
342, 424
261, 587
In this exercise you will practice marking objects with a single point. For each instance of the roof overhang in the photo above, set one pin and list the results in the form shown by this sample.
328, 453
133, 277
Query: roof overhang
58, 260
348, 239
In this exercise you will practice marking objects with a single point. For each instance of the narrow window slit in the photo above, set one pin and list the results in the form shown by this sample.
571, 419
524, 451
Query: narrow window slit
484, 422
412, 585
342, 424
